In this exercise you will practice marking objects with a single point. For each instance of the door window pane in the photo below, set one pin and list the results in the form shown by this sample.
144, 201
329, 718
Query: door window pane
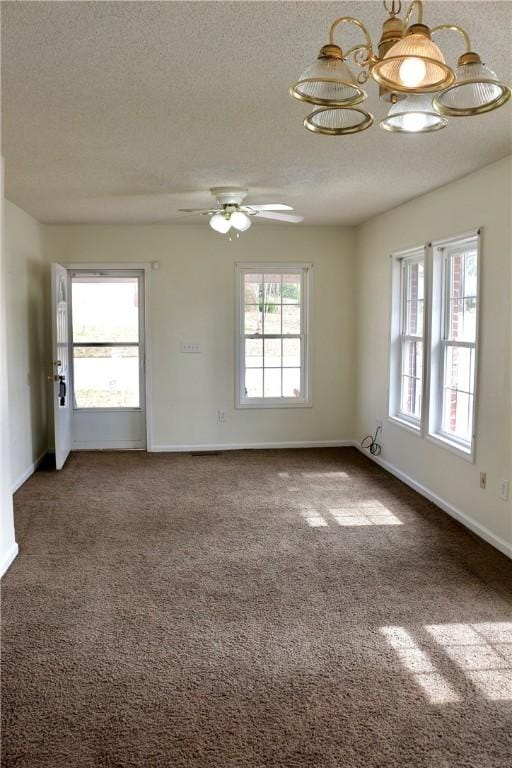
105, 309
106, 377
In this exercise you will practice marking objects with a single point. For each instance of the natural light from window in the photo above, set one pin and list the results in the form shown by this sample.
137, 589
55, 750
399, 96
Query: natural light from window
105, 319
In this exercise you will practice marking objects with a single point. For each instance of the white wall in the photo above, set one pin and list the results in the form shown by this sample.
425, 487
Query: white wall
481, 199
192, 298
25, 273
8, 545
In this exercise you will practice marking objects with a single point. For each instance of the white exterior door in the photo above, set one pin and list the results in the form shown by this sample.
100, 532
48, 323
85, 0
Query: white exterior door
60, 365
108, 360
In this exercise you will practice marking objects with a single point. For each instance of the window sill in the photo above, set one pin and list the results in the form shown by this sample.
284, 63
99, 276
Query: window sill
409, 426
468, 454
264, 404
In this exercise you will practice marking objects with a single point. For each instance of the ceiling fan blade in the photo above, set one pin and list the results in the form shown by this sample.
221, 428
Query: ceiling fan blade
278, 216
269, 207
196, 210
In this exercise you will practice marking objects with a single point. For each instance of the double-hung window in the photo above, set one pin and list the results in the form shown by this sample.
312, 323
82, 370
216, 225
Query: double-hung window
434, 341
454, 342
406, 391
273, 341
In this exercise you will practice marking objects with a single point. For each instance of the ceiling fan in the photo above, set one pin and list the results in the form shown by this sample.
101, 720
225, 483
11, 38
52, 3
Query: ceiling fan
231, 212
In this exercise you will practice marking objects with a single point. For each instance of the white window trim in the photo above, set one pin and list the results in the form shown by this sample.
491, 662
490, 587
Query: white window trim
395, 415
438, 251
241, 401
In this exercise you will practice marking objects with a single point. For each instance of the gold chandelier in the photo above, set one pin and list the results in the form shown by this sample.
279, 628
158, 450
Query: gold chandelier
411, 72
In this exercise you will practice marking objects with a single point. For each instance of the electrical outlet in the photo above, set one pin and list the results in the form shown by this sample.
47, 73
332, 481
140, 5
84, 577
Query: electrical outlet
190, 347
221, 416
483, 480
504, 490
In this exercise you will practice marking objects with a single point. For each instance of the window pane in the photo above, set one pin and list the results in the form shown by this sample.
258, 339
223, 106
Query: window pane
272, 353
414, 287
463, 319
272, 380
253, 319
106, 377
291, 353
254, 382
412, 358
291, 289
272, 289
412, 366
459, 375
272, 321
414, 318
470, 273
457, 414
459, 368
253, 288
291, 382
291, 320
253, 353
105, 309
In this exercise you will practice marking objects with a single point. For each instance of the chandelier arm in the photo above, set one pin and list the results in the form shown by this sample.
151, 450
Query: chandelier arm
418, 5
355, 50
454, 28
351, 20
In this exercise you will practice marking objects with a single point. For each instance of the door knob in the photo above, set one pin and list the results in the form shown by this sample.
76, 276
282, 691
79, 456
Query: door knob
53, 378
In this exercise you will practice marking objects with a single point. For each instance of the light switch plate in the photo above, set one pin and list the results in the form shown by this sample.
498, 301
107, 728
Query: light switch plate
190, 348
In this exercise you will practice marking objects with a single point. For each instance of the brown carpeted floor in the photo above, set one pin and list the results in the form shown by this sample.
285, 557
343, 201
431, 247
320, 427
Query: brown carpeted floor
272, 608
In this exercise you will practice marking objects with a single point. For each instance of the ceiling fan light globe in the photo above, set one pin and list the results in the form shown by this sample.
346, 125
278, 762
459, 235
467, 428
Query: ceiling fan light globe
220, 223
240, 221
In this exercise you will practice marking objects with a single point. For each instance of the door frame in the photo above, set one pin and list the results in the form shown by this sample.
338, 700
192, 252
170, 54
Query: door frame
121, 266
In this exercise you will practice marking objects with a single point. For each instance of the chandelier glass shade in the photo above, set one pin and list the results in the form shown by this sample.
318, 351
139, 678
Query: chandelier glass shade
415, 114
406, 63
414, 64
329, 81
476, 90
337, 121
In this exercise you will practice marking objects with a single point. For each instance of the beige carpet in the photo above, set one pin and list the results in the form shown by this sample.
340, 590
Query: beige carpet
284, 609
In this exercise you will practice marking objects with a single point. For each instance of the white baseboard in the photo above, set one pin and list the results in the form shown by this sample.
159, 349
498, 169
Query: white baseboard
480, 530
7, 559
28, 472
249, 446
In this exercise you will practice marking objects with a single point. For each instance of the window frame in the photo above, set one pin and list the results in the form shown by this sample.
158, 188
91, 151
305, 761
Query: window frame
272, 267
413, 255
441, 253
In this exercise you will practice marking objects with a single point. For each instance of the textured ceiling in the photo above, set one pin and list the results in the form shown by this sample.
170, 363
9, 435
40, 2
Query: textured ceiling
127, 111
